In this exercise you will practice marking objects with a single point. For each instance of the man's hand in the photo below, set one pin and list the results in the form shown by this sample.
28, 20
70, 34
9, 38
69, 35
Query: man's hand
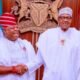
19, 69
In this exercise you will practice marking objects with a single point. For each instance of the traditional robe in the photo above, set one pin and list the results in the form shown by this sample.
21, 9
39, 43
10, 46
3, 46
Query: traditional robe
57, 52
13, 53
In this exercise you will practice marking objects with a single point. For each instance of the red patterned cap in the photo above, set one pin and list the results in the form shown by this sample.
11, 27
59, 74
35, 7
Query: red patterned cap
7, 19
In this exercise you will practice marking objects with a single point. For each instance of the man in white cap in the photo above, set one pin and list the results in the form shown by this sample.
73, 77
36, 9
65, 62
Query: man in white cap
14, 52
57, 49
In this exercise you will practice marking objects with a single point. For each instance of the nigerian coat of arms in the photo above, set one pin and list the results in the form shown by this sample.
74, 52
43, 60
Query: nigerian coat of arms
36, 15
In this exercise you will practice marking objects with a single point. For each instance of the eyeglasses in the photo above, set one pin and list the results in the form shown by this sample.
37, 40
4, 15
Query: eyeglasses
65, 17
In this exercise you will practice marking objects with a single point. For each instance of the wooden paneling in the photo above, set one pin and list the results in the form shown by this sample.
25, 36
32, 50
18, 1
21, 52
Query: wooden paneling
32, 37
7, 5
74, 4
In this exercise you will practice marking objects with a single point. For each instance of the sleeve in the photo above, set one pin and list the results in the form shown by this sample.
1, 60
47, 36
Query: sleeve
34, 61
77, 69
31, 55
38, 60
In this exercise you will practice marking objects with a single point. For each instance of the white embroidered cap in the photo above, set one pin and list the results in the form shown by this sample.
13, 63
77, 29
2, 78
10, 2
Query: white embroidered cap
66, 10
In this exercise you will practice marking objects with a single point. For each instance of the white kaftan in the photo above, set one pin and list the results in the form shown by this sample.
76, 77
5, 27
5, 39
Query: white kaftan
56, 51
13, 53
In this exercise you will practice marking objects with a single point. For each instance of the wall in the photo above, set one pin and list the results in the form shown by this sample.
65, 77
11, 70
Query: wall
31, 36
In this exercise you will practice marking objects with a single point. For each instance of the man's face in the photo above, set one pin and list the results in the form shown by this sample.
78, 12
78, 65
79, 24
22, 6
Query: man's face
11, 32
64, 21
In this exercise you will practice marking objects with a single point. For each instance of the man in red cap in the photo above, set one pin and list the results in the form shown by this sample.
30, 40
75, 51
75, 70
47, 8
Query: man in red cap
14, 52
